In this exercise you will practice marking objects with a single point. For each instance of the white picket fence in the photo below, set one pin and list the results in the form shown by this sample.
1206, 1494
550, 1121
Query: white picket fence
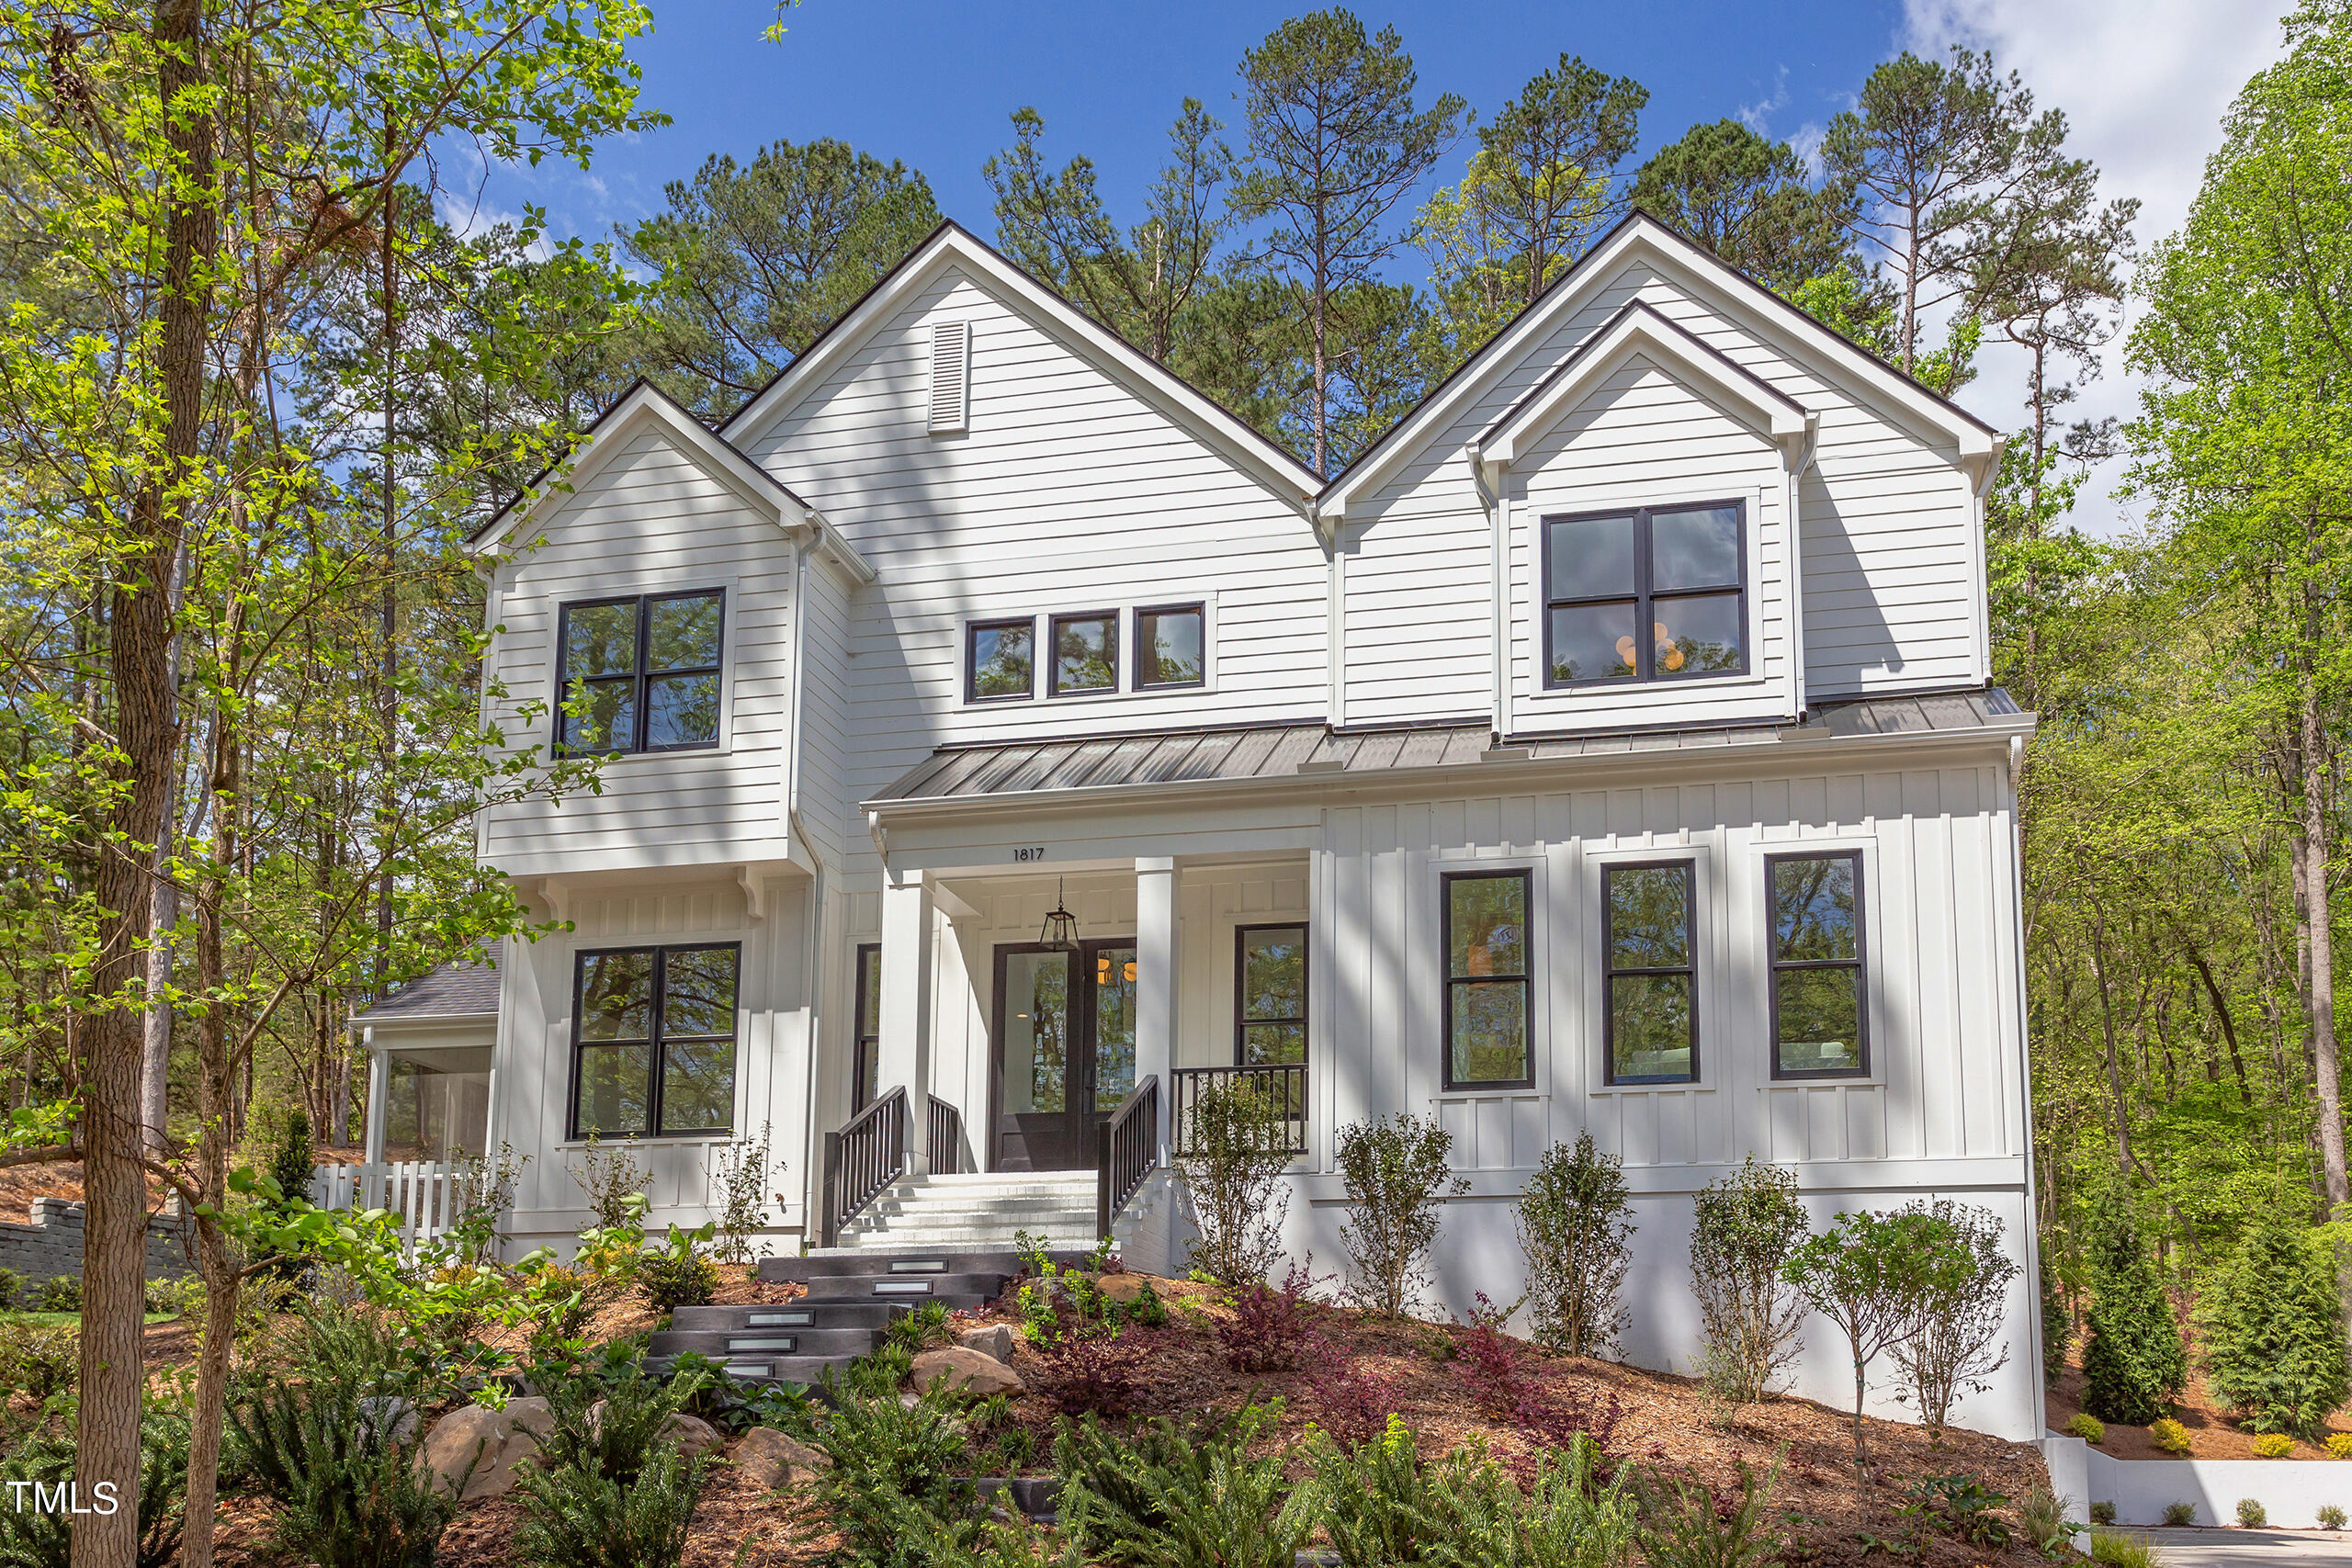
427, 1194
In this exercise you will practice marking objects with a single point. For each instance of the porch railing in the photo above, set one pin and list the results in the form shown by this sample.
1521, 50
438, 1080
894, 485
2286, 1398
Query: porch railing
861, 1160
943, 1137
1284, 1085
1127, 1150
428, 1195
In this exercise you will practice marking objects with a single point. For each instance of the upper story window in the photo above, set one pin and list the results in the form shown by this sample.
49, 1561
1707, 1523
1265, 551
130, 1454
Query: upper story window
654, 1040
1086, 652
1651, 972
640, 674
1818, 1029
1646, 595
1270, 994
1169, 640
1000, 660
1487, 975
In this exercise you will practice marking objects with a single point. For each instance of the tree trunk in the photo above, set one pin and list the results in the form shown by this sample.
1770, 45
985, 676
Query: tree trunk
2313, 844
114, 1263
156, 1058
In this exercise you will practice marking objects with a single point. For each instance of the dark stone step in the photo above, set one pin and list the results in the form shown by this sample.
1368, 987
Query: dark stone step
753, 1343
953, 1290
785, 1317
805, 1371
910, 1262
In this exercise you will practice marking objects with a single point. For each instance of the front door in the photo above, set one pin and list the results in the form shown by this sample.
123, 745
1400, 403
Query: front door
1065, 1050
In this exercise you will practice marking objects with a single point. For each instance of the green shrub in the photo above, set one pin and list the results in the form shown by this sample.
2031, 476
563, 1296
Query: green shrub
1687, 1526
2168, 1435
1742, 1230
61, 1292
896, 1485
2057, 1323
1870, 1275
1178, 1499
176, 1295
1235, 1164
1962, 1507
1954, 1345
1395, 1168
42, 1362
2102, 1513
2271, 1332
1382, 1505
2090, 1428
2178, 1513
2117, 1549
2251, 1513
35, 1538
12, 1289
2133, 1366
2329, 1515
350, 1490
924, 1328
2273, 1445
607, 1488
2340, 1445
679, 1274
2042, 1520
1573, 1221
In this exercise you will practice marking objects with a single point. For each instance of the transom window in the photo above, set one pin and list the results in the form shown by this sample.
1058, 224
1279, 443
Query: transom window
1819, 1027
1649, 916
1486, 969
654, 1040
1086, 652
1270, 994
640, 674
1169, 639
1645, 595
1000, 660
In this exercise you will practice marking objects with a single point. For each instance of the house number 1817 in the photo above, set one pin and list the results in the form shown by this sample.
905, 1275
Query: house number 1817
1029, 852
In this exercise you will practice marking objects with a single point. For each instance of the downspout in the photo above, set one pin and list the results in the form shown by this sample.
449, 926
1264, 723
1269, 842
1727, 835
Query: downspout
2025, 1069
1798, 467
1335, 630
1498, 572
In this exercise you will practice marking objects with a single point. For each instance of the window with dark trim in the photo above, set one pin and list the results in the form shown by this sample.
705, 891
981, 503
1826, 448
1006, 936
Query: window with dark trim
1649, 948
1269, 994
1000, 660
1488, 993
1086, 653
1171, 646
866, 1051
654, 1040
1820, 1009
1645, 594
639, 673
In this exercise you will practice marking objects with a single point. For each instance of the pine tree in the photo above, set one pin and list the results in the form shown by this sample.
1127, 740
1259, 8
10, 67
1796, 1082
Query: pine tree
2133, 1366
2272, 1333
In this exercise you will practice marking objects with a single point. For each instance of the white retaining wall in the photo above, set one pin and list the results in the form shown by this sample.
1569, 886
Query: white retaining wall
2290, 1490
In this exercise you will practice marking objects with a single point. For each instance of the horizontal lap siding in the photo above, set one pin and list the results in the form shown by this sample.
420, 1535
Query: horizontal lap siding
1942, 981
1891, 593
1068, 493
650, 521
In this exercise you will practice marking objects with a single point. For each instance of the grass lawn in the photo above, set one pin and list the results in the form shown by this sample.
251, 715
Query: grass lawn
59, 1319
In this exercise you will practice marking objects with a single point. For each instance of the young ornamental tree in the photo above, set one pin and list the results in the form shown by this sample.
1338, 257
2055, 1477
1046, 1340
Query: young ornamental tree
1573, 1224
1395, 1169
1868, 1274
2272, 1332
1236, 1150
1745, 1226
1954, 1343
2133, 1366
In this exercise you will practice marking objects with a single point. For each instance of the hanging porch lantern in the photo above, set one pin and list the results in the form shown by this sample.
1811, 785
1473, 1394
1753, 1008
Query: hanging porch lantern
1059, 933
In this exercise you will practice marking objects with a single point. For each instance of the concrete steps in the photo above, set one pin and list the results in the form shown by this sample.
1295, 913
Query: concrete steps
972, 1213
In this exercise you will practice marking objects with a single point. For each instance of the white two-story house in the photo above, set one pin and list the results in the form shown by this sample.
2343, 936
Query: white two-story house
1003, 741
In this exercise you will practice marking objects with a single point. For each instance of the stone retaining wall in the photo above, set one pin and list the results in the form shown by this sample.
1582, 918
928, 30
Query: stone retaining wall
52, 1244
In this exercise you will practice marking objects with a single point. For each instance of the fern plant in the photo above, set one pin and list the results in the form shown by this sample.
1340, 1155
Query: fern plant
35, 1538
350, 1490
1178, 1500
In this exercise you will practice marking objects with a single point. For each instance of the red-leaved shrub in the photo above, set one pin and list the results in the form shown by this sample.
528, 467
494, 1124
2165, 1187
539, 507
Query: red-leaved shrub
1352, 1399
1096, 1376
1494, 1365
1271, 1327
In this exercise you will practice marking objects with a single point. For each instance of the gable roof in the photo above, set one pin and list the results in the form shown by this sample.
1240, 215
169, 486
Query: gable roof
1639, 233
951, 244
1641, 328
463, 988
645, 406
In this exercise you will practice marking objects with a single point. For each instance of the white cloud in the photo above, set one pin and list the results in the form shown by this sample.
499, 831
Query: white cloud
1758, 115
2144, 84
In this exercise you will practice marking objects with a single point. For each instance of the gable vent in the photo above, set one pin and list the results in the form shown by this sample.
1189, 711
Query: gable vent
951, 375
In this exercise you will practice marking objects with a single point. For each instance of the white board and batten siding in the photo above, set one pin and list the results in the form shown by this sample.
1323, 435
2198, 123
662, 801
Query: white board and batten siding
1061, 490
1891, 591
649, 519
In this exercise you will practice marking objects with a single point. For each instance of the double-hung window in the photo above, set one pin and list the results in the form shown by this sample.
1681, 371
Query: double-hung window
1649, 950
640, 674
1646, 595
1270, 994
1819, 1010
1487, 981
654, 1040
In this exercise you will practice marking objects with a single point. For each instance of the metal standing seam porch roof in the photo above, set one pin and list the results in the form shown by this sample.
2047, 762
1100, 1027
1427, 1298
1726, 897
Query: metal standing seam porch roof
975, 771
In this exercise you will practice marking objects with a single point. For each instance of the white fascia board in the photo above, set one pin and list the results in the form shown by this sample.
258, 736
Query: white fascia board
1705, 277
645, 407
1290, 479
1638, 329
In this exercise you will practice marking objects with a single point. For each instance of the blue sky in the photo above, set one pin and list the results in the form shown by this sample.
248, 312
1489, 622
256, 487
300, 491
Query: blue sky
2143, 81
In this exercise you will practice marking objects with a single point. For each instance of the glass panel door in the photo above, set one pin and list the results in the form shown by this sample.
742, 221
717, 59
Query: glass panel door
1113, 1017
1036, 1034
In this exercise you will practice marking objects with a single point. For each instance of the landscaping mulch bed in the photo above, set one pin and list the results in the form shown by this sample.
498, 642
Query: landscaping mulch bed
2211, 1435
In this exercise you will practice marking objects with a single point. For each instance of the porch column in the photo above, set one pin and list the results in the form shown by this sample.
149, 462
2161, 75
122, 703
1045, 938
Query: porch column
1156, 981
380, 1086
903, 1054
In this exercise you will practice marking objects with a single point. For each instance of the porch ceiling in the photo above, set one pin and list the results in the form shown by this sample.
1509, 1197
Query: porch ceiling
1269, 753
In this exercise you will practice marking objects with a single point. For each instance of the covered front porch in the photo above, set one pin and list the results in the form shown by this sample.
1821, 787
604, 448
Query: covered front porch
1068, 1018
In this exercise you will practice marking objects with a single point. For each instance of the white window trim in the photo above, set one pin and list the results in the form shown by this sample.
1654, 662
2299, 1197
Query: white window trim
1708, 909
1472, 863
751, 970
581, 589
1041, 622
1874, 1011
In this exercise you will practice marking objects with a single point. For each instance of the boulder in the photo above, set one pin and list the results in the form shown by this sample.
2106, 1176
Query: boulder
387, 1415
1128, 1287
995, 1340
693, 1435
974, 1371
477, 1448
775, 1460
